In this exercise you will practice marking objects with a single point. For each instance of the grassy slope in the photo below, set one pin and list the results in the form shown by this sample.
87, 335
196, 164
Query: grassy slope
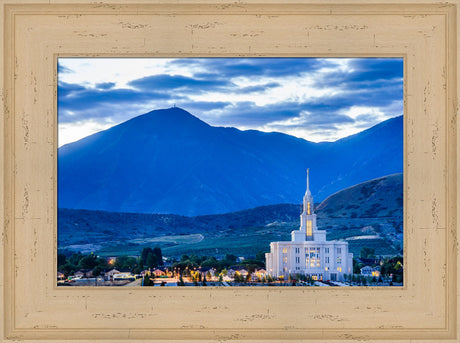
372, 209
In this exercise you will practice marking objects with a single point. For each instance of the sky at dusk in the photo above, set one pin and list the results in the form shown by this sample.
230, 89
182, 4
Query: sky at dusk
318, 99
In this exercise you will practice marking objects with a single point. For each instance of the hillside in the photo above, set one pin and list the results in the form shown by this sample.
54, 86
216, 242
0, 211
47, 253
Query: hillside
169, 161
368, 214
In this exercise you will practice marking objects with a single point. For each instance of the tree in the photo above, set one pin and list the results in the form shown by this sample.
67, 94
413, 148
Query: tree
181, 281
184, 258
88, 262
357, 266
230, 257
68, 268
158, 255
144, 255
260, 256
148, 279
151, 261
97, 271
367, 252
61, 259
210, 262
75, 258
236, 277
126, 263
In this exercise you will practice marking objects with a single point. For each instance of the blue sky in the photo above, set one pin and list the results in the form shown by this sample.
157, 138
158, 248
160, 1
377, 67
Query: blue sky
318, 99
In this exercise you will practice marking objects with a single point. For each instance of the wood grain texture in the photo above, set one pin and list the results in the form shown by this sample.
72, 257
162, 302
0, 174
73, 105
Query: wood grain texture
34, 34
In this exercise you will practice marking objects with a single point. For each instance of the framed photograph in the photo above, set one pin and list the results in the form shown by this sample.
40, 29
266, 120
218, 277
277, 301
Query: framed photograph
59, 59
144, 200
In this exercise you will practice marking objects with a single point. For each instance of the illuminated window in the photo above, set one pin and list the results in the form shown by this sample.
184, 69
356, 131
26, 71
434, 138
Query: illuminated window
284, 250
309, 228
285, 259
326, 268
339, 269
308, 208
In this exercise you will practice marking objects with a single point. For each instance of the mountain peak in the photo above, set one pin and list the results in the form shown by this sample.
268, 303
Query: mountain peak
169, 161
175, 116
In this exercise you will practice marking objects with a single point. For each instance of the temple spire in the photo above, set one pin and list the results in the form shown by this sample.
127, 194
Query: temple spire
308, 183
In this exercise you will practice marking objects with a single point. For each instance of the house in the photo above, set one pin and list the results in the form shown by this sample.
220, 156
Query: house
205, 270
236, 270
243, 272
260, 273
83, 273
370, 271
60, 276
308, 252
159, 272
255, 277
110, 274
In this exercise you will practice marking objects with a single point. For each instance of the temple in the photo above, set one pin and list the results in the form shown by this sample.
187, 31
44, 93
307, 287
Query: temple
308, 252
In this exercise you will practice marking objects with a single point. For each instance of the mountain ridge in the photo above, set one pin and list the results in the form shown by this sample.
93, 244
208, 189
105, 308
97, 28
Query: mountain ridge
169, 161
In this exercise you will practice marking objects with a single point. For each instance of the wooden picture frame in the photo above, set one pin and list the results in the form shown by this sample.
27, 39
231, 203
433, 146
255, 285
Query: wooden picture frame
35, 34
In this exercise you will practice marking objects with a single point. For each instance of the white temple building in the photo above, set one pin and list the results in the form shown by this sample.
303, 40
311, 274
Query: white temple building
308, 252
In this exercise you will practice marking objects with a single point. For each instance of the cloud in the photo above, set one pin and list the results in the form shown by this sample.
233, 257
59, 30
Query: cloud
258, 88
63, 69
165, 82
77, 103
105, 85
322, 99
250, 67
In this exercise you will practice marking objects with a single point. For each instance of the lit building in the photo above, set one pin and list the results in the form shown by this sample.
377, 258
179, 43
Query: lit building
308, 252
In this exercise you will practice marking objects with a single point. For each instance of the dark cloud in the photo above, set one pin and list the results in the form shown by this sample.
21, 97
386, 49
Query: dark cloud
365, 73
76, 103
105, 85
258, 88
203, 106
251, 67
63, 69
369, 69
65, 89
166, 82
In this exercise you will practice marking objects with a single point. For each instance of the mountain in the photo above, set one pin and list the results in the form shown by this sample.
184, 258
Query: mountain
378, 198
169, 161
368, 214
